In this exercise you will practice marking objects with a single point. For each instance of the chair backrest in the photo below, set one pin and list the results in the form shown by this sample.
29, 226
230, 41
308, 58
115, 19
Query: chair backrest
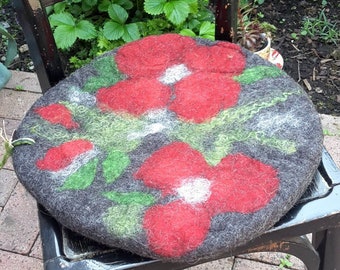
44, 53
39, 37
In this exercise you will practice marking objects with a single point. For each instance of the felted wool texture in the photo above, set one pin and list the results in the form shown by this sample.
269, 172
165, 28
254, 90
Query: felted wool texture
170, 147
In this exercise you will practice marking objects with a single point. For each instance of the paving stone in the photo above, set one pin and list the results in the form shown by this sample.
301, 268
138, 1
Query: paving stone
222, 264
9, 126
36, 251
14, 104
24, 81
243, 264
273, 258
19, 222
8, 180
12, 261
331, 127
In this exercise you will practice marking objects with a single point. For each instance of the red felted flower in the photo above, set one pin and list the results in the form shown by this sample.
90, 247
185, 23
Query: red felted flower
167, 167
176, 228
241, 184
200, 75
59, 157
237, 184
134, 96
201, 96
150, 56
222, 57
57, 114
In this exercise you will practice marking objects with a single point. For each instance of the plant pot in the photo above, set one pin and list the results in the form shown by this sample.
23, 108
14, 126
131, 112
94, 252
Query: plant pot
265, 52
5, 75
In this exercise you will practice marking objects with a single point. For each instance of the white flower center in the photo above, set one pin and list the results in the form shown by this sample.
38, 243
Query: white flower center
195, 190
174, 74
156, 121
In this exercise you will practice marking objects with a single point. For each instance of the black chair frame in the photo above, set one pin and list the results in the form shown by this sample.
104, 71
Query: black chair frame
317, 213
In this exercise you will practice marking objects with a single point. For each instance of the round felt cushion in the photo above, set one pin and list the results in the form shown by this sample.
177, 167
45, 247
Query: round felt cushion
171, 148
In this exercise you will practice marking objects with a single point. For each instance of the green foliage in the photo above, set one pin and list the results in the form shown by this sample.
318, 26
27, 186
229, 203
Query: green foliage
322, 28
285, 262
251, 27
84, 29
11, 51
3, 2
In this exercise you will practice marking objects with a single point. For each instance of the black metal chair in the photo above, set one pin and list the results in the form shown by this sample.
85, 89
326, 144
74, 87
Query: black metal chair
317, 212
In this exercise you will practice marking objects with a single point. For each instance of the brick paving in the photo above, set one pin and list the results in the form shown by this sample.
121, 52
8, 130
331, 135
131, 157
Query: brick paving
20, 244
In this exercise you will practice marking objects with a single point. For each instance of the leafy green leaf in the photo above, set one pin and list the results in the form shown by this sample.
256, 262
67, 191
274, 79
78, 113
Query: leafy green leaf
114, 165
176, 11
85, 30
188, 32
65, 36
89, 3
104, 5
207, 28
154, 7
117, 13
113, 30
63, 18
82, 178
193, 23
59, 7
11, 46
129, 198
125, 4
193, 6
131, 32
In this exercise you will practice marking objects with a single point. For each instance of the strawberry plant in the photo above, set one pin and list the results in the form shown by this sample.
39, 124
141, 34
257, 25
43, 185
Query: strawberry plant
84, 29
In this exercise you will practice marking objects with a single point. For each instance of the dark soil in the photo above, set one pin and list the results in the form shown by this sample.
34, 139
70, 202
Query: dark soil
311, 61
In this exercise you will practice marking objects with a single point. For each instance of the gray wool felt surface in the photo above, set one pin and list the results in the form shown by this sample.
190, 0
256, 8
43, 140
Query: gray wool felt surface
291, 120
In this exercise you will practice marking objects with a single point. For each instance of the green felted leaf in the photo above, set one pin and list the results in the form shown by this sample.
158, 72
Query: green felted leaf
176, 11
251, 75
65, 36
82, 178
131, 32
108, 74
86, 30
139, 198
113, 30
117, 13
114, 164
105, 126
154, 7
124, 220
63, 18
